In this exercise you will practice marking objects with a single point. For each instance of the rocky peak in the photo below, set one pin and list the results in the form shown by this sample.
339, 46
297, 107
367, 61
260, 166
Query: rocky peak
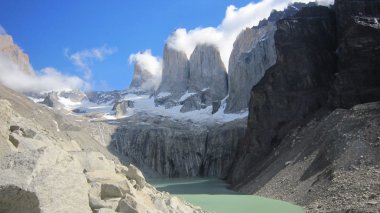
11, 51
175, 71
141, 80
207, 71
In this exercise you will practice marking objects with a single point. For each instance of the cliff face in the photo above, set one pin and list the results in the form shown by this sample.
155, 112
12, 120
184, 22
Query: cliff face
296, 86
175, 72
12, 52
358, 76
207, 71
253, 53
196, 83
178, 148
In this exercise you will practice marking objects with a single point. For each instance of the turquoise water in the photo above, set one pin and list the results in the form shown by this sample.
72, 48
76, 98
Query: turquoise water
213, 195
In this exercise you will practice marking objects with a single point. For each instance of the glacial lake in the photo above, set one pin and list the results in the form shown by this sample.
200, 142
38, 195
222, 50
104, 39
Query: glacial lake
213, 196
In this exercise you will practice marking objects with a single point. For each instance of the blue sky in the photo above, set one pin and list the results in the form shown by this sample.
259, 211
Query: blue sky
44, 29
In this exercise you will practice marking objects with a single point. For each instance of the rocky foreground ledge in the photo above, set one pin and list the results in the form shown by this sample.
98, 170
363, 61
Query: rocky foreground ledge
42, 172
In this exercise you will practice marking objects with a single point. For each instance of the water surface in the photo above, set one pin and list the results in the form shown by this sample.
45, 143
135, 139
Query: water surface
213, 195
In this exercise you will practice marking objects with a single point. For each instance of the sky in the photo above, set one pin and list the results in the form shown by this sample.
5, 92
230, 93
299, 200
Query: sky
99, 40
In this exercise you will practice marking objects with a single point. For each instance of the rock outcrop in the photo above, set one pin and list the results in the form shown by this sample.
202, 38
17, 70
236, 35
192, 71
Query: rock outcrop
295, 87
104, 97
52, 100
177, 148
121, 108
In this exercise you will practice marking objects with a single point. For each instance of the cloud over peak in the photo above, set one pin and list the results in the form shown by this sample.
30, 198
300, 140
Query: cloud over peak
45, 80
150, 64
235, 20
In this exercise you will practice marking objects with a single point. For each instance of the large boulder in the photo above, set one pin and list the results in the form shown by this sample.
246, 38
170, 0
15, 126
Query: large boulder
45, 180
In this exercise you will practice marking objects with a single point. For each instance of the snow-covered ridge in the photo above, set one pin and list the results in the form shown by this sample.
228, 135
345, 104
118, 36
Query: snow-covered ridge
103, 107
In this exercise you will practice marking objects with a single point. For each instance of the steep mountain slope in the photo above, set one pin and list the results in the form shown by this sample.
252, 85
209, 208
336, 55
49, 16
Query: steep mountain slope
292, 89
298, 146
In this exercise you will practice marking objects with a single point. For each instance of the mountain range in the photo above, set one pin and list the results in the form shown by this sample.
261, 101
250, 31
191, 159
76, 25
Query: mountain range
295, 116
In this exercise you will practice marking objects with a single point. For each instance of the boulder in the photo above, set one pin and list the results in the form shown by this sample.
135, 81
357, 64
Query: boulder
196, 101
52, 100
135, 174
94, 161
127, 205
46, 180
110, 190
121, 107
14, 140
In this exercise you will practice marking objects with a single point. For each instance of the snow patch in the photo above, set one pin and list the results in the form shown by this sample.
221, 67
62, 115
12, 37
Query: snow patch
186, 95
163, 94
373, 22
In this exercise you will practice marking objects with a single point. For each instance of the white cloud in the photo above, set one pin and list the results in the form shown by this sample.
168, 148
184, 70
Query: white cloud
235, 20
2, 30
83, 59
48, 79
151, 64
